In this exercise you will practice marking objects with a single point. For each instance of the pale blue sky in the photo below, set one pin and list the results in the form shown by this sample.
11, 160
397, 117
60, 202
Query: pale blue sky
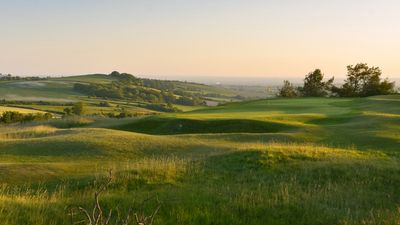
203, 37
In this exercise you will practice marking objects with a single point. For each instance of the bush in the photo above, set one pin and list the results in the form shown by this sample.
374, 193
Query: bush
162, 107
70, 122
287, 90
77, 109
104, 104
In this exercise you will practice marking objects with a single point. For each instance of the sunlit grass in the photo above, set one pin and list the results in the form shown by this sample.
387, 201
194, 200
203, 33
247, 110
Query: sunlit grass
18, 132
21, 110
389, 115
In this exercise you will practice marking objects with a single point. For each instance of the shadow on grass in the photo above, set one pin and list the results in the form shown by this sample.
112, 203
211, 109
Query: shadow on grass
164, 126
50, 148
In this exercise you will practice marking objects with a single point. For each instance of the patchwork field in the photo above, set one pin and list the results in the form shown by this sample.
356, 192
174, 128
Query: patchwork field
276, 161
55, 94
61, 89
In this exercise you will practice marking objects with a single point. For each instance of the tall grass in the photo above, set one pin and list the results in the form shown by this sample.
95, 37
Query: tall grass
260, 183
21, 132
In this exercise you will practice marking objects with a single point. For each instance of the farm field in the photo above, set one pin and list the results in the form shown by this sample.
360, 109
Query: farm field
273, 161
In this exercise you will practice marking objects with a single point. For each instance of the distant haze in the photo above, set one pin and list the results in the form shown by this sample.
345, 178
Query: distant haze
215, 80
236, 39
256, 81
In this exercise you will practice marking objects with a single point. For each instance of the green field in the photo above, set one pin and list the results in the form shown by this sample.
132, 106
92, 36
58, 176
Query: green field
276, 161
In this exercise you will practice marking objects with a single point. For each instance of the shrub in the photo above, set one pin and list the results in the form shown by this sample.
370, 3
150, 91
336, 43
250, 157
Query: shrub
162, 107
16, 117
287, 90
104, 104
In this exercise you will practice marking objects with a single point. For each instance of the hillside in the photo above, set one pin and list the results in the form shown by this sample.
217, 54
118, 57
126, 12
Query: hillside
132, 89
277, 161
128, 93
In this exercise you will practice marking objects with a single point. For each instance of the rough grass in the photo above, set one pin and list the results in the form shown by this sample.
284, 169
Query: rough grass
335, 161
18, 132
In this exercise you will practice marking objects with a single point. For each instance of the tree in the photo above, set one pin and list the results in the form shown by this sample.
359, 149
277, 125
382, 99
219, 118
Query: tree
115, 74
314, 86
387, 87
363, 81
287, 90
78, 109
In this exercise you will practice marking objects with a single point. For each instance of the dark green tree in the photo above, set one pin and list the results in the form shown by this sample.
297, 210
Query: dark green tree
314, 86
363, 81
115, 74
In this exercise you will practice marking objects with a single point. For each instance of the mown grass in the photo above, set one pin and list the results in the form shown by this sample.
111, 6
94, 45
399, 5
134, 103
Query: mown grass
332, 161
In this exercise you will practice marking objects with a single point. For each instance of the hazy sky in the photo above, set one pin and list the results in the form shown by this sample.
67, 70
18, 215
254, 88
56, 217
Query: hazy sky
270, 38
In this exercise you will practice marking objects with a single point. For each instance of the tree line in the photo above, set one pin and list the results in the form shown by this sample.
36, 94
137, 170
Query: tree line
362, 81
7, 77
128, 87
17, 117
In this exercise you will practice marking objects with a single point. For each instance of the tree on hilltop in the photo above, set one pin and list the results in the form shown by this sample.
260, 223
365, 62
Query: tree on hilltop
363, 81
314, 86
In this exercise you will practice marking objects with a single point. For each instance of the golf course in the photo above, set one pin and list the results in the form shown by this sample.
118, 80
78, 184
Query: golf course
258, 162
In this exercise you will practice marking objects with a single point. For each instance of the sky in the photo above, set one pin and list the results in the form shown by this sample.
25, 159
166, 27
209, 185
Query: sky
203, 38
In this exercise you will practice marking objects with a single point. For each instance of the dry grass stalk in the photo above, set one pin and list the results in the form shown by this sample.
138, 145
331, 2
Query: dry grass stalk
99, 217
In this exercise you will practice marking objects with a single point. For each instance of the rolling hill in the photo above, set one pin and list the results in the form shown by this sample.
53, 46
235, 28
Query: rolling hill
61, 89
139, 96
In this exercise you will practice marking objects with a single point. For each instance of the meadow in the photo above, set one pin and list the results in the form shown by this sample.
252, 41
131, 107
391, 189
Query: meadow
273, 161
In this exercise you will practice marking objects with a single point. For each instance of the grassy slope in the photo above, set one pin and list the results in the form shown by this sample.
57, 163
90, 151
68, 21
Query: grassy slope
47, 90
326, 161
